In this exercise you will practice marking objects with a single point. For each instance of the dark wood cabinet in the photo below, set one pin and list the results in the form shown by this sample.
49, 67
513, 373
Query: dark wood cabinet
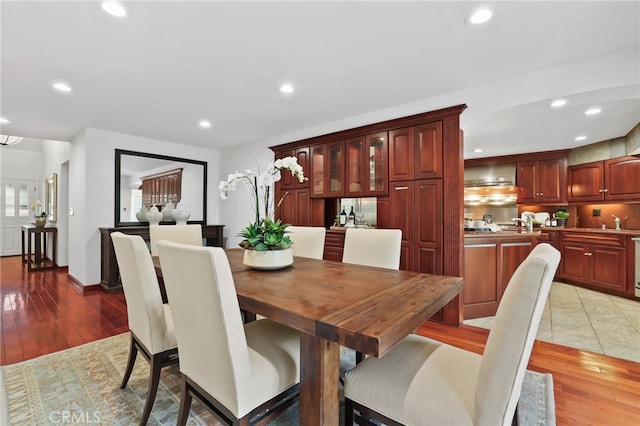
402, 216
162, 188
416, 152
490, 262
596, 261
289, 181
542, 182
295, 208
366, 165
212, 235
615, 179
428, 232
333, 246
426, 170
327, 170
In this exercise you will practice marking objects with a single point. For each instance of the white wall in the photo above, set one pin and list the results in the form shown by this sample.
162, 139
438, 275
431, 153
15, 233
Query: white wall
54, 155
91, 175
236, 212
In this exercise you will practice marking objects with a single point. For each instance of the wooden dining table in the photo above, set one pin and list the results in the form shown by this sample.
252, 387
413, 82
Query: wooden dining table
332, 304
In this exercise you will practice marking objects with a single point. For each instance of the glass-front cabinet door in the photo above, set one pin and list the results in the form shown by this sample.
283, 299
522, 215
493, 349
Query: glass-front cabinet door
366, 165
327, 169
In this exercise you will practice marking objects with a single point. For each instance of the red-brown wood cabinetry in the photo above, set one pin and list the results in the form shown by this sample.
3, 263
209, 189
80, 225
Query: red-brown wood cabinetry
542, 182
615, 179
295, 208
416, 152
595, 260
366, 165
289, 181
327, 170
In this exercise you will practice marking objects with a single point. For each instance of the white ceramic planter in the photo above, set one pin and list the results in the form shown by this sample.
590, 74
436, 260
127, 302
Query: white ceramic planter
269, 259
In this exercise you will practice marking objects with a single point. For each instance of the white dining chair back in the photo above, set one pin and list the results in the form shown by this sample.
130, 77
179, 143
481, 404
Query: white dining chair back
253, 363
150, 321
426, 382
185, 234
372, 247
308, 241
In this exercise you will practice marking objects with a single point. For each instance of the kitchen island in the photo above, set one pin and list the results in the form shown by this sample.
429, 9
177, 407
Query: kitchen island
491, 258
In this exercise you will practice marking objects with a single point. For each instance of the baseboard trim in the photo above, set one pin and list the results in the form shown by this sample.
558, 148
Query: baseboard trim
81, 288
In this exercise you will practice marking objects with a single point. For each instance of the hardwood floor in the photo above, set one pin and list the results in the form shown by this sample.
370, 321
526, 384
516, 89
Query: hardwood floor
42, 312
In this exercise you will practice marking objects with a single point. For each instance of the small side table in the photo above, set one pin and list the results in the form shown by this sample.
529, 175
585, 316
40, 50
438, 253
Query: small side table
36, 254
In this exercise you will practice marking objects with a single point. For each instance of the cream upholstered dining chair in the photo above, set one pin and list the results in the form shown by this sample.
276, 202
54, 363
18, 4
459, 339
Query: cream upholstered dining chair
185, 234
257, 365
308, 241
425, 382
372, 247
150, 320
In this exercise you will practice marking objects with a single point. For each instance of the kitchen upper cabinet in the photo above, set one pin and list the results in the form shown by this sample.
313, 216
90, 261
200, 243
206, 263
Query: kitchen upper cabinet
416, 152
366, 165
614, 179
289, 181
327, 170
542, 182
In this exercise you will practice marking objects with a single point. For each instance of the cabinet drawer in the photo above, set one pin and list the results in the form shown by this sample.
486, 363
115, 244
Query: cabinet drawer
608, 240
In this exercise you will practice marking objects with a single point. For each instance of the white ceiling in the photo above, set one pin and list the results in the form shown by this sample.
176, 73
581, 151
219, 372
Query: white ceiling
167, 65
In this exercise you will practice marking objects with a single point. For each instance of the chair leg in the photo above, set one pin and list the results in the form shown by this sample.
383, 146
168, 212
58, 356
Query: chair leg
133, 353
154, 380
185, 403
348, 412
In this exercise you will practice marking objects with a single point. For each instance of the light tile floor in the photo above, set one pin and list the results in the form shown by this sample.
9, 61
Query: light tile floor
589, 320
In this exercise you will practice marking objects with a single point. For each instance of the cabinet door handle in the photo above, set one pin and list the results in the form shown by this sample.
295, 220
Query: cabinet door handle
588, 254
605, 190
399, 188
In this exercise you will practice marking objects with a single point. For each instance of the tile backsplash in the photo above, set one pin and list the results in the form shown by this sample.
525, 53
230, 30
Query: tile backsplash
582, 216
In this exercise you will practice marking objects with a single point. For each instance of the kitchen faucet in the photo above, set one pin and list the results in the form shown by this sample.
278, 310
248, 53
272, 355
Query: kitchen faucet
617, 221
527, 221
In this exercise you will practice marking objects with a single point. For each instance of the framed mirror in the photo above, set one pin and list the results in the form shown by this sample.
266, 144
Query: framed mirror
145, 179
51, 197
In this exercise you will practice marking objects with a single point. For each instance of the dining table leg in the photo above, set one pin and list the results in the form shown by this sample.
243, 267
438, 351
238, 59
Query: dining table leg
319, 378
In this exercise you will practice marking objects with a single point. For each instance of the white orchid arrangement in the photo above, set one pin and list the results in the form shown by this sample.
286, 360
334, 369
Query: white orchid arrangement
265, 233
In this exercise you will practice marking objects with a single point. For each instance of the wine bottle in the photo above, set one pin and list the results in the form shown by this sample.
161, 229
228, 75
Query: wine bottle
352, 217
343, 217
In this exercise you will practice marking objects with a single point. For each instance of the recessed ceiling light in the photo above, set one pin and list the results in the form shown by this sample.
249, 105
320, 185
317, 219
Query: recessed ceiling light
593, 111
479, 16
580, 138
558, 103
61, 87
4, 120
477, 150
114, 8
205, 124
286, 88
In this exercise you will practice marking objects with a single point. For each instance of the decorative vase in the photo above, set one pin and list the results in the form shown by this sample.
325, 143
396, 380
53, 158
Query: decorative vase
153, 216
268, 259
180, 214
141, 215
167, 212
40, 221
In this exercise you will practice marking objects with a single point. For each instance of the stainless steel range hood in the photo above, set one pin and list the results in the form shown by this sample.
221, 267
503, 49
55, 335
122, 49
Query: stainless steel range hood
490, 185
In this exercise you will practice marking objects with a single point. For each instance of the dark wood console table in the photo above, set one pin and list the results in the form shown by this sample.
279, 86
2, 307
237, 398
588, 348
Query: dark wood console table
109, 273
36, 254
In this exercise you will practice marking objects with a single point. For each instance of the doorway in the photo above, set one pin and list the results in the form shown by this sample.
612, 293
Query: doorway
16, 197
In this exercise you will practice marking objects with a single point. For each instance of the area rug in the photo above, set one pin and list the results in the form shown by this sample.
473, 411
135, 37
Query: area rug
81, 385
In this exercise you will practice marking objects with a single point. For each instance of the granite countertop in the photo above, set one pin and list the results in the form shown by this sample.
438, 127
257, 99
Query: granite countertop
502, 234
632, 232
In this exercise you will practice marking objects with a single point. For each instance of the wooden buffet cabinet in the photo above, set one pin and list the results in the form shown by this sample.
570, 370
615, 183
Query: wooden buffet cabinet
109, 272
406, 163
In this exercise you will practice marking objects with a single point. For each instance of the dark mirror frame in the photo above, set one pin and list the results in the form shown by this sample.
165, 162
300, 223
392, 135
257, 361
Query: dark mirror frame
118, 160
